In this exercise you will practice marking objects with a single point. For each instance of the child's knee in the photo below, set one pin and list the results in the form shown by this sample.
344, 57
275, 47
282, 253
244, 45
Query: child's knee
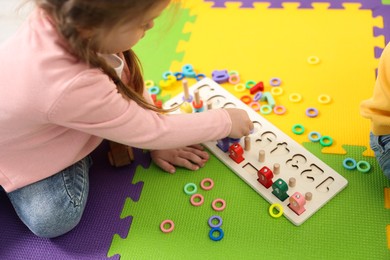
53, 224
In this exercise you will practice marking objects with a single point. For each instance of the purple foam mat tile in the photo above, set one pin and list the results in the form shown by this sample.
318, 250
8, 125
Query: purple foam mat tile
337, 4
217, 3
378, 51
384, 11
92, 238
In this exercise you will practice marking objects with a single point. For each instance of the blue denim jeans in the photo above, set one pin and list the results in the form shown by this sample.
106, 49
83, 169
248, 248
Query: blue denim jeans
381, 147
54, 206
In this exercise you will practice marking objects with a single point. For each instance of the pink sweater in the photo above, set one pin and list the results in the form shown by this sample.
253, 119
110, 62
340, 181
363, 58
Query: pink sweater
56, 110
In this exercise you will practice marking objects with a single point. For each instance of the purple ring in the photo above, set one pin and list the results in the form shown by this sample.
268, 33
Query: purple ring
211, 221
312, 112
257, 96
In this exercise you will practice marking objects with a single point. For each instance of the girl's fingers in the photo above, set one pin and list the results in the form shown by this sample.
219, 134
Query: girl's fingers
165, 165
200, 153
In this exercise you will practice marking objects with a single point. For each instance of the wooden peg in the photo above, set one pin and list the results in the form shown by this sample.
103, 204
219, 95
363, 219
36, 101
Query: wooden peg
292, 182
187, 96
247, 141
209, 105
308, 196
197, 103
261, 156
276, 168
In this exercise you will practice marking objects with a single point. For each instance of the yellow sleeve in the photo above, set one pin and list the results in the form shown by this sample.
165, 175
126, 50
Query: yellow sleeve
377, 108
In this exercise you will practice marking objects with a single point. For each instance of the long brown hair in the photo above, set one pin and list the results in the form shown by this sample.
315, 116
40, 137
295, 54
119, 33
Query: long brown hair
73, 16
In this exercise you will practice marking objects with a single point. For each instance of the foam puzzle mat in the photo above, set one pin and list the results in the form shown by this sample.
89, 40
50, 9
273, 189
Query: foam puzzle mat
260, 40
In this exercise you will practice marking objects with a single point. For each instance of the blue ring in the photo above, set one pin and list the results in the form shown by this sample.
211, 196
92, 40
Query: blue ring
200, 76
178, 75
234, 140
154, 90
211, 221
311, 138
166, 74
221, 234
346, 163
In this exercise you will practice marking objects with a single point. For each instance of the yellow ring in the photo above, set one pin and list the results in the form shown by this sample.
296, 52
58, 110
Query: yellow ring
149, 83
324, 99
295, 97
313, 60
276, 91
239, 87
278, 207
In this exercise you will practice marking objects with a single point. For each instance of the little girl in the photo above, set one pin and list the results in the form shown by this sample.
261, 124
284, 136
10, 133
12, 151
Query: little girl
69, 80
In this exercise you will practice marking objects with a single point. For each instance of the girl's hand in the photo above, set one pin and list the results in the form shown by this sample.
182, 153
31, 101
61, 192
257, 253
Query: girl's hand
190, 157
241, 123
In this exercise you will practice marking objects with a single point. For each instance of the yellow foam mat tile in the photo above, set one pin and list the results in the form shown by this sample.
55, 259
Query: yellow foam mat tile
388, 236
262, 43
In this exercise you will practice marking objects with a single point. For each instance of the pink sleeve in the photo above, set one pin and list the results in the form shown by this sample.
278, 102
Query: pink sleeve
92, 104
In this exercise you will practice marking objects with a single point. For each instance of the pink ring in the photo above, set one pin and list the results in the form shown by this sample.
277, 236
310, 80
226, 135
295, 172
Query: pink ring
194, 203
255, 106
204, 181
214, 204
171, 226
234, 79
279, 110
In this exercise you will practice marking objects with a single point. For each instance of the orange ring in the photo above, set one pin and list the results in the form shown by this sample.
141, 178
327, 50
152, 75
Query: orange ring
246, 99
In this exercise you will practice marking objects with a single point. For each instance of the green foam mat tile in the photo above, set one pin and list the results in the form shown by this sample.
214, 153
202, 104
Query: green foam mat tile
351, 226
159, 47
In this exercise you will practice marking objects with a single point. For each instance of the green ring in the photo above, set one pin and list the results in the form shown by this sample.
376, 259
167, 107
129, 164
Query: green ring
296, 127
188, 185
266, 109
234, 72
329, 143
249, 84
364, 169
